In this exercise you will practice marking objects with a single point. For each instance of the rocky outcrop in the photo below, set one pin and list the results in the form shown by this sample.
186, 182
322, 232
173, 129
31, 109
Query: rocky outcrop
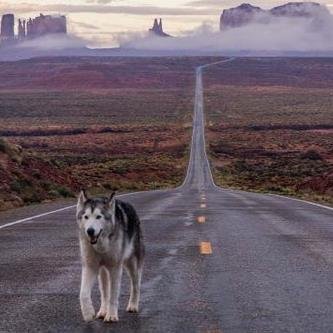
46, 25
157, 29
7, 26
21, 29
239, 16
299, 9
33, 28
246, 13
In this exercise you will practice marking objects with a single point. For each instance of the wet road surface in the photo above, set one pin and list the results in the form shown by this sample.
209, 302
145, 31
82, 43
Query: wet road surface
217, 261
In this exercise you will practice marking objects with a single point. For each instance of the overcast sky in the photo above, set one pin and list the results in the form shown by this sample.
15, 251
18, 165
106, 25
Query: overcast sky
100, 21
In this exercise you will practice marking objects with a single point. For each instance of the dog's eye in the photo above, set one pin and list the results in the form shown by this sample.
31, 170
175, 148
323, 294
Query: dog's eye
86, 217
98, 217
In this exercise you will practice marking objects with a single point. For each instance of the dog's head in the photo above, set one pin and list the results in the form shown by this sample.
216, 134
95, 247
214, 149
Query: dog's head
95, 216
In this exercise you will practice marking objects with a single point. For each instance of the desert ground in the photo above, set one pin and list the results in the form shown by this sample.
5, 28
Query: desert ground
103, 124
125, 124
270, 126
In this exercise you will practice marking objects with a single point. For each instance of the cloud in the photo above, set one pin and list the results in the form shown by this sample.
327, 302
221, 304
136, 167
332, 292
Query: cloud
279, 34
84, 25
212, 3
55, 42
104, 2
103, 9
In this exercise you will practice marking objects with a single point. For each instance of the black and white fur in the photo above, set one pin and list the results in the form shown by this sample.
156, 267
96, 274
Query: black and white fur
110, 239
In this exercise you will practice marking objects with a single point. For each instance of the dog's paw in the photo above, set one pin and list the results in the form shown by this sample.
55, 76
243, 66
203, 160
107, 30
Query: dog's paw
101, 314
87, 317
111, 318
88, 313
133, 308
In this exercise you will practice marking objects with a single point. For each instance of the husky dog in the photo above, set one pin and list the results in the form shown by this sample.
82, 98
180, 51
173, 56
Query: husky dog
110, 239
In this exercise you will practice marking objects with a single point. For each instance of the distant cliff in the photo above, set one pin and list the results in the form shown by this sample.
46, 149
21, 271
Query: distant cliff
246, 13
40, 26
239, 16
45, 25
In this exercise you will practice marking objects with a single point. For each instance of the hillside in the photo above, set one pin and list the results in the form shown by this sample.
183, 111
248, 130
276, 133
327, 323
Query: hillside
126, 127
25, 178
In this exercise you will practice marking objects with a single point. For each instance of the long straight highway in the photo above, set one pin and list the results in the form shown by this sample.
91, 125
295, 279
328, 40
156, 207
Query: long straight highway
217, 260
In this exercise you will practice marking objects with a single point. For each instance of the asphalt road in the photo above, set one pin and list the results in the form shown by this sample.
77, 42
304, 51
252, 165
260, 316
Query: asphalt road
217, 261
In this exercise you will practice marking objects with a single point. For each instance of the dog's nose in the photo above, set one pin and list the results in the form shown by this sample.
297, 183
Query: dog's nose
91, 232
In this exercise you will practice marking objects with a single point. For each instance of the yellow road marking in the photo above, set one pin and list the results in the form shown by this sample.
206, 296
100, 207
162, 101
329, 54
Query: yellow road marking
206, 248
203, 205
201, 219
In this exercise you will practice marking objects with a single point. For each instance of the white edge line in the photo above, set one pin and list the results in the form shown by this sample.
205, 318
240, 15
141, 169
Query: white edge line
35, 217
58, 211
300, 200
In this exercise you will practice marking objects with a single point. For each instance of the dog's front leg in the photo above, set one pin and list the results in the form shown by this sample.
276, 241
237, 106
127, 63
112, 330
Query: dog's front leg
87, 282
115, 275
104, 287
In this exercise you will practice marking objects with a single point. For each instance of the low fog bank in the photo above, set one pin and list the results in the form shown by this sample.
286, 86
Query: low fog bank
266, 35
53, 42
49, 45
278, 35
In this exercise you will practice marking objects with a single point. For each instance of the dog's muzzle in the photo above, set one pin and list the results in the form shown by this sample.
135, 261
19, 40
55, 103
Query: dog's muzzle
93, 238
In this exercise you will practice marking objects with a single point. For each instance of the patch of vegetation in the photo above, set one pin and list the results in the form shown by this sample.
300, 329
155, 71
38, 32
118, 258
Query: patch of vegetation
12, 151
272, 132
124, 130
311, 154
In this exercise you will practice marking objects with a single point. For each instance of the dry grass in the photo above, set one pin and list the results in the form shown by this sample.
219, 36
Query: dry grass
273, 132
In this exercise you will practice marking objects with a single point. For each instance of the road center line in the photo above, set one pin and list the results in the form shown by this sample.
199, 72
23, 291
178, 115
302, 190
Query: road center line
203, 205
206, 248
201, 219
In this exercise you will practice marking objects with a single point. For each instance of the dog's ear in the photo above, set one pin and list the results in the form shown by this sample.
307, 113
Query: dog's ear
112, 202
81, 200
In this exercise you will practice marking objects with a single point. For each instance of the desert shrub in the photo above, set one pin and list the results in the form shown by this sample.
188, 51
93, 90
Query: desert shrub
36, 174
46, 185
64, 191
311, 155
109, 187
278, 189
19, 185
53, 194
3, 146
120, 167
242, 166
31, 197
12, 151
